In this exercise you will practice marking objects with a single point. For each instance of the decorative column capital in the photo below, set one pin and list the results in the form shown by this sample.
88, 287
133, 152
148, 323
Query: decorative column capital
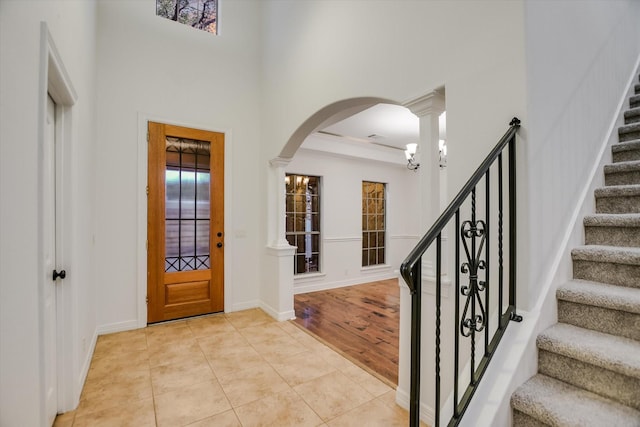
279, 162
431, 103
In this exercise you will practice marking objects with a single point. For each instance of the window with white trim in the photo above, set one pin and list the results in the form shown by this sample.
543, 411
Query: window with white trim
373, 223
303, 221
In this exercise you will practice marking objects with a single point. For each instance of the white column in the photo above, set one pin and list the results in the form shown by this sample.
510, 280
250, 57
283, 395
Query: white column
277, 237
428, 109
277, 291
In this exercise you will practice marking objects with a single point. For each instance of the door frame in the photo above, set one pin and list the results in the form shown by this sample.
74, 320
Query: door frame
141, 244
54, 81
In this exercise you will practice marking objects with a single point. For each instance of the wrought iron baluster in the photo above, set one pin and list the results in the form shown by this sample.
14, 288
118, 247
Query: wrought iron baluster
488, 262
474, 273
438, 321
500, 244
473, 322
512, 226
456, 291
416, 326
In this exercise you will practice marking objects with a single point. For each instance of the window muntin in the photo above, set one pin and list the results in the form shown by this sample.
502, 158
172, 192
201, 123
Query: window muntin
200, 14
303, 221
373, 223
187, 205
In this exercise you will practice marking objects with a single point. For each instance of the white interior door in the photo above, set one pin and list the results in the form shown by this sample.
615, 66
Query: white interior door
49, 249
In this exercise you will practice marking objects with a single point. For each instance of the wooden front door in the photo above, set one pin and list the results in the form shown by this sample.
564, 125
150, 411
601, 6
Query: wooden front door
185, 222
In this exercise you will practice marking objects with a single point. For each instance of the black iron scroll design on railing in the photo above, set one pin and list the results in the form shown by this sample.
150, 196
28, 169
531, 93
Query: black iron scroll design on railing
475, 236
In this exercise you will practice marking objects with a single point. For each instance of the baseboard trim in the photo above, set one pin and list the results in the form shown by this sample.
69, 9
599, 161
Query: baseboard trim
325, 286
110, 328
84, 372
280, 316
247, 305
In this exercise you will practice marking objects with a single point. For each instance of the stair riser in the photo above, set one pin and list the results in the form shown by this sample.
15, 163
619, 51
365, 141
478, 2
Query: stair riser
626, 156
622, 178
618, 205
615, 386
612, 236
634, 103
523, 420
608, 321
607, 272
628, 136
631, 119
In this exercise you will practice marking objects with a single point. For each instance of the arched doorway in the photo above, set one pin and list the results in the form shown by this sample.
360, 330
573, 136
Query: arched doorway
328, 149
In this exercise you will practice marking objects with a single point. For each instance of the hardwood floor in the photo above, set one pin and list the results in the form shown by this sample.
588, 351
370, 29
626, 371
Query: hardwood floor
361, 321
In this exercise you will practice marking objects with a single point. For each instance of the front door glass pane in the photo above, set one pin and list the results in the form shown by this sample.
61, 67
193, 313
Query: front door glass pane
187, 205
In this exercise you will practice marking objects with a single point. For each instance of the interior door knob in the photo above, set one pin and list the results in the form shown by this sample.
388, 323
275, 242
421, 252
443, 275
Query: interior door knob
62, 274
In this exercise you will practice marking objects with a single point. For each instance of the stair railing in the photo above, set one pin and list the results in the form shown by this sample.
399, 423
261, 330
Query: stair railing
475, 235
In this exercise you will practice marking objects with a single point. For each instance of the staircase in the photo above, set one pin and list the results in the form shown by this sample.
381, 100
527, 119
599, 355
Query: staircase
589, 362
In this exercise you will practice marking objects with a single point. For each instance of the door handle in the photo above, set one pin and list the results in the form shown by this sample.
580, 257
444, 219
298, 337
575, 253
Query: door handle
62, 274
219, 244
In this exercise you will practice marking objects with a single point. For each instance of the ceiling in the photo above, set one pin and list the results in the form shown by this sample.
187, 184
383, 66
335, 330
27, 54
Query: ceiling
383, 124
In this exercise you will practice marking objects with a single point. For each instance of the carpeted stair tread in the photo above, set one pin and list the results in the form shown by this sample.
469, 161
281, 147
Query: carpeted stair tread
634, 101
633, 127
632, 115
626, 146
621, 298
611, 352
556, 403
612, 220
618, 199
636, 88
612, 229
618, 191
629, 132
630, 166
612, 254
622, 173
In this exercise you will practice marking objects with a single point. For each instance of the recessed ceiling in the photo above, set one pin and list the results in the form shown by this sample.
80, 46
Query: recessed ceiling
382, 124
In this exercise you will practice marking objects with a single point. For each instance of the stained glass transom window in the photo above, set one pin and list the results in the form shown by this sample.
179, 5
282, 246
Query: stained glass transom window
373, 223
187, 205
303, 221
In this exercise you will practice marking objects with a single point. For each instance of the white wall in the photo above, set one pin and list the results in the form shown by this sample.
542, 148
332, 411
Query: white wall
317, 53
150, 66
341, 215
573, 92
72, 26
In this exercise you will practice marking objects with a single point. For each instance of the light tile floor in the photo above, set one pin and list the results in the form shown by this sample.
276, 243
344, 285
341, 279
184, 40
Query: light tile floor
237, 369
